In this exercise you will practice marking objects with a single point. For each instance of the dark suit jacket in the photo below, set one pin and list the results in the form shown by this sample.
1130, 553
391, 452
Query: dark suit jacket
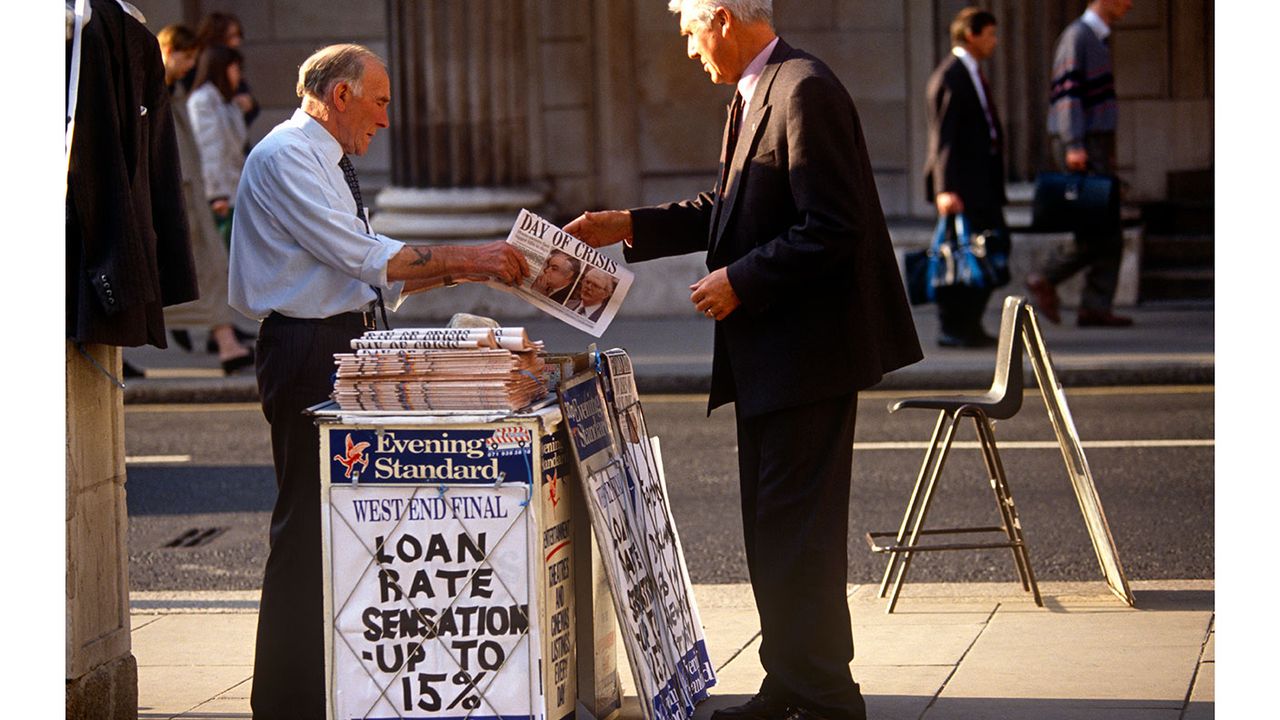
561, 295
126, 228
804, 240
960, 159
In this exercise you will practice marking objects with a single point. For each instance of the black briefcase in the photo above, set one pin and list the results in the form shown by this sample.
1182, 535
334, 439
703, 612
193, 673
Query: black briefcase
1073, 202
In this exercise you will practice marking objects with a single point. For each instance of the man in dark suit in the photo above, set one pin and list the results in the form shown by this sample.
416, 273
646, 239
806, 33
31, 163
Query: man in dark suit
809, 308
964, 172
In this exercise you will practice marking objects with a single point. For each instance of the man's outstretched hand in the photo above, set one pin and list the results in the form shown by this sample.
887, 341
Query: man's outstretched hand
598, 229
500, 261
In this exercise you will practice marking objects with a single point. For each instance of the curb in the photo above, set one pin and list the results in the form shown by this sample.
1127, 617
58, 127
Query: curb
245, 389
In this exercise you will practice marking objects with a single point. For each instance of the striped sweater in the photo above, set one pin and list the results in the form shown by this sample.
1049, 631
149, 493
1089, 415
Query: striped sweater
1082, 96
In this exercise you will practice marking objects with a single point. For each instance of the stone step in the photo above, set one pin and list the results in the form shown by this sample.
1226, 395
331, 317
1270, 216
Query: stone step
451, 214
444, 228
458, 200
1180, 284
1161, 251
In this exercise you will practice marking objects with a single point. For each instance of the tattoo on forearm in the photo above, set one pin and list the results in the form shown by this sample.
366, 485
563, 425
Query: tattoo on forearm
424, 256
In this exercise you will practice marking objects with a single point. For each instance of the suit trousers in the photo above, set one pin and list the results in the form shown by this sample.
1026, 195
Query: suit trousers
1098, 253
960, 308
294, 364
794, 470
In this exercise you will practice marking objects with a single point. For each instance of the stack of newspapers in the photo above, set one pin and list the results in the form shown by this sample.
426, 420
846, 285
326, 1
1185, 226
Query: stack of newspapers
437, 369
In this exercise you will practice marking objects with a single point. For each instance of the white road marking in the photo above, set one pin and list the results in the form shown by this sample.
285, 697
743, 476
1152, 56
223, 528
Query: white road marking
155, 459
1040, 444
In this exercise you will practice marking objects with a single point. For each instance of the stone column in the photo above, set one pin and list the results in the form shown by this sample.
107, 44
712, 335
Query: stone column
458, 71
464, 124
102, 675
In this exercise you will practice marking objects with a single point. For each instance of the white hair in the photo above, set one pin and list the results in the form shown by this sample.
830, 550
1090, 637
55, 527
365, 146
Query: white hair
331, 65
702, 11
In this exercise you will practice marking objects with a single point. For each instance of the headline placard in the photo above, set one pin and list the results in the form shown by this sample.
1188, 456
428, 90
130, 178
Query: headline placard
626, 500
448, 585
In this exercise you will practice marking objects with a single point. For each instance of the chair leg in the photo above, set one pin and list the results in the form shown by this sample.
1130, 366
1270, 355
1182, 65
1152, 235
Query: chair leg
990, 456
922, 512
929, 456
1008, 511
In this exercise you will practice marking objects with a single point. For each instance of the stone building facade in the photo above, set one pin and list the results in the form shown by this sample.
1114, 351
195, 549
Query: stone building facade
613, 114
566, 105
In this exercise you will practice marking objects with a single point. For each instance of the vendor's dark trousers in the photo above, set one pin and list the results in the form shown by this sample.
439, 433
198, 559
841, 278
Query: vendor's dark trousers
1098, 253
794, 467
294, 363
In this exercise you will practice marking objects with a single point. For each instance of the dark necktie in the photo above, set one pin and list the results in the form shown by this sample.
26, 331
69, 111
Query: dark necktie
731, 141
353, 182
992, 118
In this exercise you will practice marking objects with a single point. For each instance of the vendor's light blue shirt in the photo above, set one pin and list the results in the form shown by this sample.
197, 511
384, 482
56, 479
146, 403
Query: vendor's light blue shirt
297, 245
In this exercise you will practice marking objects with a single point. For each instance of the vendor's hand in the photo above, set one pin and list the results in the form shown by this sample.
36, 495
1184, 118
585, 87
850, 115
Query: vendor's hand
598, 229
713, 296
949, 203
221, 207
499, 261
1077, 160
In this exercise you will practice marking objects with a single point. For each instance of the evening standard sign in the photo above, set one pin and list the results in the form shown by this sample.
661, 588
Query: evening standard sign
434, 574
654, 602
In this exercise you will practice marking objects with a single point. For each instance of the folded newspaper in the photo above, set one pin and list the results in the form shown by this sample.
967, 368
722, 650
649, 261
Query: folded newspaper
571, 280
440, 369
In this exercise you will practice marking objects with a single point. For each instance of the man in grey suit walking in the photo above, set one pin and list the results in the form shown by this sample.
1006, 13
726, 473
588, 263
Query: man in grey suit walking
809, 308
1082, 121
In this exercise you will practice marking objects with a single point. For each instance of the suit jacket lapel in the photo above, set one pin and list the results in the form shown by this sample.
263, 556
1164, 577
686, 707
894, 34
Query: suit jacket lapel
752, 125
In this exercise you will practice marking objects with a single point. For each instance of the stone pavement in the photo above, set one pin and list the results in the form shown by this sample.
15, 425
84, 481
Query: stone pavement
976, 651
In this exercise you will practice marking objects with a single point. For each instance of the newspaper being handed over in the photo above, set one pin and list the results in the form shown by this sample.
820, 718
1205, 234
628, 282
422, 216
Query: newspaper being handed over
571, 280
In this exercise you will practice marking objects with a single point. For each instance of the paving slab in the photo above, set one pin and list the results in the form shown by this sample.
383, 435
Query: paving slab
1202, 700
219, 708
896, 691
170, 691
1043, 709
908, 644
728, 631
1148, 658
195, 640
743, 675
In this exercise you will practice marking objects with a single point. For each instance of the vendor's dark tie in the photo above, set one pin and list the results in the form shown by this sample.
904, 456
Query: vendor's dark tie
353, 182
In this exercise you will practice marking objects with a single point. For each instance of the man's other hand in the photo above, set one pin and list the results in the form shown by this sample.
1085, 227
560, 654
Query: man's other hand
598, 229
713, 296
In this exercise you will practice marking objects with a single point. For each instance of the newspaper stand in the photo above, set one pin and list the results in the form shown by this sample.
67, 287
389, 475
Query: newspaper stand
449, 549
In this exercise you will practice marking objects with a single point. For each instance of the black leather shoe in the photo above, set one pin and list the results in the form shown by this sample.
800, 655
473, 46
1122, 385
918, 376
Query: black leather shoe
800, 713
760, 707
231, 366
182, 339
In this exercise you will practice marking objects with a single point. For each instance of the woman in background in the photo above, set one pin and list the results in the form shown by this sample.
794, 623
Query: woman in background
221, 28
178, 49
220, 130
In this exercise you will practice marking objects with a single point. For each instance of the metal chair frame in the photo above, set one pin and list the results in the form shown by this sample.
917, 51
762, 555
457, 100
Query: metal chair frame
1002, 401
